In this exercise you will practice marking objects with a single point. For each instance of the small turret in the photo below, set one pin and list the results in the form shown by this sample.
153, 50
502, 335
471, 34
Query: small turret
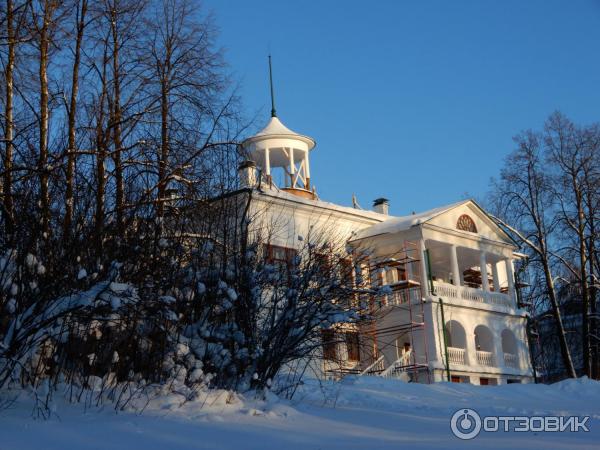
278, 147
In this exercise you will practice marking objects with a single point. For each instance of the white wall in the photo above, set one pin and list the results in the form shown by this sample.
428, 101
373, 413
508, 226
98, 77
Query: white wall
470, 318
292, 221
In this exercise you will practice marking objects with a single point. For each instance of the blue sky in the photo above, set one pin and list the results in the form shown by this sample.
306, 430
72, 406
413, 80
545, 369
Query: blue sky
414, 101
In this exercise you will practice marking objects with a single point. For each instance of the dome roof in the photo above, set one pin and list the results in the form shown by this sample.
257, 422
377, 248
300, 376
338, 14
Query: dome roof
277, 130
275, 127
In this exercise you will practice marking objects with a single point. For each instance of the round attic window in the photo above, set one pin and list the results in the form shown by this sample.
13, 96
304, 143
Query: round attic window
465, 223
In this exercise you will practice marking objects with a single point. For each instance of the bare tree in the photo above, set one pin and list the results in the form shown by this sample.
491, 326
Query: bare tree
184, 79
81, 9
124, 18
100, 142
549, 190
112, 121
11, 39
523, 200
44, 23
569, 153
592, 205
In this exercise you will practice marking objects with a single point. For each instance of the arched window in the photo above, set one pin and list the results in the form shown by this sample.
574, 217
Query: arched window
465, 223
484, 340
455, 335
510, 349
509, 342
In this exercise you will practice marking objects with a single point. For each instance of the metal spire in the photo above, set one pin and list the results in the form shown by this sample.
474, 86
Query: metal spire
273, 112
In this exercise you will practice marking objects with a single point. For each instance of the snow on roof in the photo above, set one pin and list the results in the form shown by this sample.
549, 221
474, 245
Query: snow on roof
402, 223
387, 224
276, 129
317, 203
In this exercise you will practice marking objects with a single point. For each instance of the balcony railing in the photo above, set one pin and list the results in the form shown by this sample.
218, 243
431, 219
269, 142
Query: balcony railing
457, 355
395, 298
403, 365
401, 297
511, 360
485, 358
451, 291
445, 290
497, 298
376, 367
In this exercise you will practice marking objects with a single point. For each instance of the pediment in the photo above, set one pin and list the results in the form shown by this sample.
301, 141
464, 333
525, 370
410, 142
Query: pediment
470, 219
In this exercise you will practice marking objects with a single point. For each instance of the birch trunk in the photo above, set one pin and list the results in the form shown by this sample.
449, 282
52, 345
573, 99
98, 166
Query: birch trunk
71, 150
9, 119
43, 169
116, 122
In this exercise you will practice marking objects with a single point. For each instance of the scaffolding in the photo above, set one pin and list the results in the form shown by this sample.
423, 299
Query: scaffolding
397, 324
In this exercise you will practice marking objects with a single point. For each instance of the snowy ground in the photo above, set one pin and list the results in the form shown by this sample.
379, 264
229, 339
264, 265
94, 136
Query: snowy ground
364, 413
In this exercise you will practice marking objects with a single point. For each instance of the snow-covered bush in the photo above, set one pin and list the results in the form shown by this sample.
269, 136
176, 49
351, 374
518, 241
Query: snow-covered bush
179, 304
247, 319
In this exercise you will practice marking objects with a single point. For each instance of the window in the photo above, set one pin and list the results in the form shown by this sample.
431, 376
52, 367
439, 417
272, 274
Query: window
353, 346
329, 344
280, 256
465, 223
346, 277
399, 272
390, 276
346, 272
456, 379
323, 263
513, 381
403, 350
484, 381
402, 274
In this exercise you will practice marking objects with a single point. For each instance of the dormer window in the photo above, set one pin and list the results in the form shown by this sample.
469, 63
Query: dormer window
465, 223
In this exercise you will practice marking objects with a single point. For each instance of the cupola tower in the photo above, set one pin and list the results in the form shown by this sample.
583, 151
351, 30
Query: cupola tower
277, 148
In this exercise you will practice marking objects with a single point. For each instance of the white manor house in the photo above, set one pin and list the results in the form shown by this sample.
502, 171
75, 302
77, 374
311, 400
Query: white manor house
450, 308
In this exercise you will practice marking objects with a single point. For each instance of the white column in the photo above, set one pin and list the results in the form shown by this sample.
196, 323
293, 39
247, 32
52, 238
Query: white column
409, 271
454, 264
484, 273
424, 278
267, 163
292, 167
498, 350
306, 170
470, 347
496, 277
510, 276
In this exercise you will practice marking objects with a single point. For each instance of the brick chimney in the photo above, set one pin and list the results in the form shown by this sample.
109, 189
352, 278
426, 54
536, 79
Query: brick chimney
381, 205
247, 174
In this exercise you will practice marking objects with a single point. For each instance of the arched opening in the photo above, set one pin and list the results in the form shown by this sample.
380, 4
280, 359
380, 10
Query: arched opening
510, 348
484, 344
484, 340
509, 342
456, 342
455, 334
